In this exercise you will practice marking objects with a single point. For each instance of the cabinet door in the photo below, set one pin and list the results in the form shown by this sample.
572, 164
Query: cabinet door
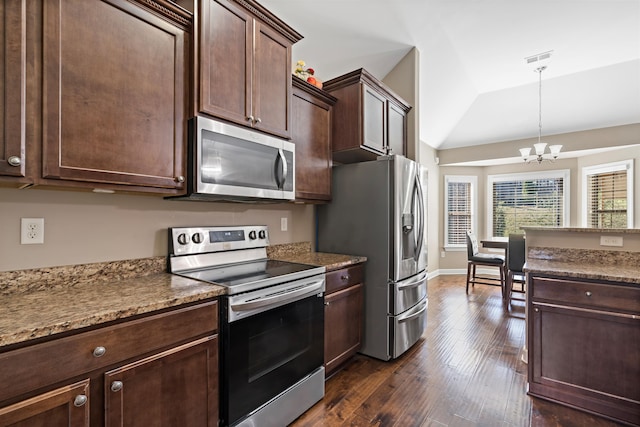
12, 88
63, 407
311, 133
396, 130
588, 356
343, 326
113, 101
226, 45
374, 120
271, 81
175, 387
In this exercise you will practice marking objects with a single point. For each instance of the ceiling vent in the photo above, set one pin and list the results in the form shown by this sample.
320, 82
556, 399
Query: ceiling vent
539, 59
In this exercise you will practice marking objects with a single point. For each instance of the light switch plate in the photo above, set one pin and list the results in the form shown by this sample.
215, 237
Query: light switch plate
611, 241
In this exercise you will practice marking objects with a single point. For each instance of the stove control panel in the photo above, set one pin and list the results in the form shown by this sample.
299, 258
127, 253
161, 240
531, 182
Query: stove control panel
197, 240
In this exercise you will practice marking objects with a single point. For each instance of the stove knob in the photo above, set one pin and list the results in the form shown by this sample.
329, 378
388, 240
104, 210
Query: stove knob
197, 238
262, 234
252, 235
183, 239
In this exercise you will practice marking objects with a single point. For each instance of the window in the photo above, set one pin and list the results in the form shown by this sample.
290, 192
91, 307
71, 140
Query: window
607, 197
527, 199
460, 209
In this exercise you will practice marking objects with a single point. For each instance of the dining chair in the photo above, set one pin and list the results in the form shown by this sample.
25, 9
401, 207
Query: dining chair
476, 258
514, 265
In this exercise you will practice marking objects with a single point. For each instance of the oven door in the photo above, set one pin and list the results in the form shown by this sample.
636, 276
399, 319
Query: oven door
266, 353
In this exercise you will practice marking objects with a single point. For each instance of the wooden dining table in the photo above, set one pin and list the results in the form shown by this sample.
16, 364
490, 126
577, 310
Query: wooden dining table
495, 244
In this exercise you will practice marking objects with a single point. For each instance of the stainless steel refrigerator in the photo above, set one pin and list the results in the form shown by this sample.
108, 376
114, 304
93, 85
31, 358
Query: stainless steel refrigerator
378, 210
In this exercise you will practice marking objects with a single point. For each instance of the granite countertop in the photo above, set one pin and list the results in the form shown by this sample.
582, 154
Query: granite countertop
301, 253
614, 266
42, 302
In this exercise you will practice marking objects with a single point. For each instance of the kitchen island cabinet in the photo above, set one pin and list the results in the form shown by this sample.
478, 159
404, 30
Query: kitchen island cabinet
157, 369
244, 65
370, 119
584, 344
311, 124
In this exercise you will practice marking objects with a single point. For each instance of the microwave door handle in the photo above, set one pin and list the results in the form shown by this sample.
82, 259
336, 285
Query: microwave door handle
281, 177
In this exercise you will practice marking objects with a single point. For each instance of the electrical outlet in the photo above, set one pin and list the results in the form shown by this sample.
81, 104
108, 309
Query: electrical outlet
610, 240
283, 224
31, 231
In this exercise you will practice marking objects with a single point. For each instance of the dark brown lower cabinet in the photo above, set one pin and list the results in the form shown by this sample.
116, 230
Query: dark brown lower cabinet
342, 316
584, 346
175, 387
160, 369
64, 406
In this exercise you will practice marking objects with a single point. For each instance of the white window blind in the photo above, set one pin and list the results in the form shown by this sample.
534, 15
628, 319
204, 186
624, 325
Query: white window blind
459, 209
527, 200
608, 195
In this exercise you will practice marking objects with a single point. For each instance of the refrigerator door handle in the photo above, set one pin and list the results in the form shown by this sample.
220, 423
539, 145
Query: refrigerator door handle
413, 283
418, 190
417, 311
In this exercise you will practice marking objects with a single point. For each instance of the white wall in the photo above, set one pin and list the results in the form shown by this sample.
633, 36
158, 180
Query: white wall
87, 227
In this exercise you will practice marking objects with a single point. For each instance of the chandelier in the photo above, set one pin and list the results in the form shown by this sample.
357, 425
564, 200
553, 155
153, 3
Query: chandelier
539, 147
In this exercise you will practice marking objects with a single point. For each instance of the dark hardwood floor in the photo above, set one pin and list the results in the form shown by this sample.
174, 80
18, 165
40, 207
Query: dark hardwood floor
465, 371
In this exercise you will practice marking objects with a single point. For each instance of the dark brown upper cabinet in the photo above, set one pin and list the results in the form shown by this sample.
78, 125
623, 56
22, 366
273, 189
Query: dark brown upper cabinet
13, 88
114, 94
311, 125
244, 64
369, 118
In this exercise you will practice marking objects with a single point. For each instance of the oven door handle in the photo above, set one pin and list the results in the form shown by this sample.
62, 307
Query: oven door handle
278, 298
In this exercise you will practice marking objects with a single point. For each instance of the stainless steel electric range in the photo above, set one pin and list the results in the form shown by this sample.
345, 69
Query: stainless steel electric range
271, 325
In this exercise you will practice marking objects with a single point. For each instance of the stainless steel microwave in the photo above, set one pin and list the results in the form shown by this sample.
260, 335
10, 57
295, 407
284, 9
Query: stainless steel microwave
227, 162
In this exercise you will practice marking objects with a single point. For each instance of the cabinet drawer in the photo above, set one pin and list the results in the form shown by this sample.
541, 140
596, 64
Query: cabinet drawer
39, 365
599, 296
343, 278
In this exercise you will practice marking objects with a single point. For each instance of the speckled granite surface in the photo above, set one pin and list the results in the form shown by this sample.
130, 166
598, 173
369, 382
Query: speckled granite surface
617, 266
301, 253
41, 302
585, 230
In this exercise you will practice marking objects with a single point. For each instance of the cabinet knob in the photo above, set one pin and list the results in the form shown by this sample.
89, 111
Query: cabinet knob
588, 293
116, 386
326, 303
345, 277
180, 178
14, 161
536, 309
258, 120
80, 400
250, 119
99, 351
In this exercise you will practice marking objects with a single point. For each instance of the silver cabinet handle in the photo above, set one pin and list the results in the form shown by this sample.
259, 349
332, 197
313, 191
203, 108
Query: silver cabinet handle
80, 400
99, 351
345, 277
180, 178
116, 386
14, 161
588, 293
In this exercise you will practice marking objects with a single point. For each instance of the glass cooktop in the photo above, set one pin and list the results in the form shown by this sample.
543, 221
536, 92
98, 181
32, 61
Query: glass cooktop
252, 275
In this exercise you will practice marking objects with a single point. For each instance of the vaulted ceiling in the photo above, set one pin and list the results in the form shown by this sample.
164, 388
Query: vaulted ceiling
475, 86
